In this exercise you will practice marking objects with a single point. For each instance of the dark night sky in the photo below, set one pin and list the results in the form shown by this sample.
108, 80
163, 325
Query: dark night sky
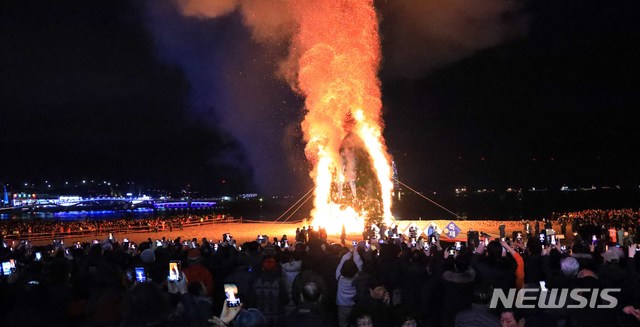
126, 90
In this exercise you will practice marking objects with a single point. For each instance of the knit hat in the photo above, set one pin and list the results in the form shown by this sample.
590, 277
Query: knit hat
148, 256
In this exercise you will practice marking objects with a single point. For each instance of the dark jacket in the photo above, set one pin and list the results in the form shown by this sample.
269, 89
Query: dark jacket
457, 294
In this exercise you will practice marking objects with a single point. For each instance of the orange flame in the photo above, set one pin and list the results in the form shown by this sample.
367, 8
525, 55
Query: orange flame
337, 54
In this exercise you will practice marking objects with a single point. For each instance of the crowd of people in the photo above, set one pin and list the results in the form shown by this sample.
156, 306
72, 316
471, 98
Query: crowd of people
27, 227
309, 281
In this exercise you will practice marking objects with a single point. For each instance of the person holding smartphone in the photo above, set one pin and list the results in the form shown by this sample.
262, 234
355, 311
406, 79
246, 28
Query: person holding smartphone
493, 267
457, 283
350, 265
519, 263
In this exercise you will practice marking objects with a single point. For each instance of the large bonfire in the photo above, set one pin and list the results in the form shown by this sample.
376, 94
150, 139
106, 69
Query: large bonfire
333, 61
337, 54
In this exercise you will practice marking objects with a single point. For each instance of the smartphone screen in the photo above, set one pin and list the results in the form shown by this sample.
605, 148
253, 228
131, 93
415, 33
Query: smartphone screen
354, 243
553, 240
141, 275
594, 239
174, 271
458, 246
231, 293
6, 268
12, 263
38, 256
111, 236
452, 251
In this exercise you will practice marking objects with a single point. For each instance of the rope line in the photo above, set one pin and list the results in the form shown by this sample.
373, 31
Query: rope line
426, 198
292, 206
300, 206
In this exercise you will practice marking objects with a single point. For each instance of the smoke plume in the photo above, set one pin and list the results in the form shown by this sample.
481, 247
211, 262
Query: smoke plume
423, 35
418, 35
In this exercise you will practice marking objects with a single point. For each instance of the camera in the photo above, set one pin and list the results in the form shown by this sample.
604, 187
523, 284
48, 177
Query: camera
174, 271
141, 275
231, 293
6, 268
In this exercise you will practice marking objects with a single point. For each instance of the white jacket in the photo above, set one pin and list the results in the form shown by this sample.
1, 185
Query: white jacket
346, 289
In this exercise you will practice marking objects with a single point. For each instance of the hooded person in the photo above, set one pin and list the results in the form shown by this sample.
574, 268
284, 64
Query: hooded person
291, 265
270, 292
196, 272
155, 270
458, 287
243, 276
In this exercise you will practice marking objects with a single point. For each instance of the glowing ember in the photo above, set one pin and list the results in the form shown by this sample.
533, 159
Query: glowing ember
337, 53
